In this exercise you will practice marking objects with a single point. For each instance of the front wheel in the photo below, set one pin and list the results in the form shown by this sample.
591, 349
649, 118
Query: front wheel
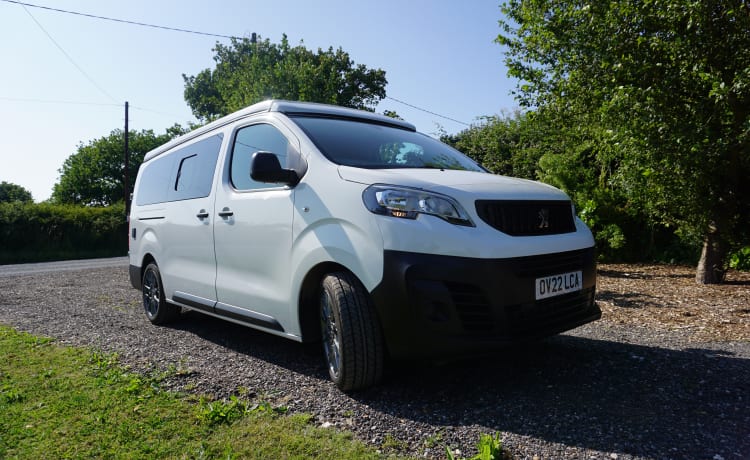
352, 338
158, 311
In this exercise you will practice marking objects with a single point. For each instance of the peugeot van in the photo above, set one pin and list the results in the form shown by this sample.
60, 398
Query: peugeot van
321, 223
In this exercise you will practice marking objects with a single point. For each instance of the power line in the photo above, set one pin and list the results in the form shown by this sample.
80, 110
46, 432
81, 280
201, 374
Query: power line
83, 72
100, 104
166, 114
48, 101
124, 21
175, 29
426, 111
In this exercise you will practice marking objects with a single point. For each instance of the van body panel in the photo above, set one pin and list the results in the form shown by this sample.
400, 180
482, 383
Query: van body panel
187, 259
433, 179
253, 251
331, 216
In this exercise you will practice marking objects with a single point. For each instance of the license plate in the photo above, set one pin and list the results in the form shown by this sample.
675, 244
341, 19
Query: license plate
555, 285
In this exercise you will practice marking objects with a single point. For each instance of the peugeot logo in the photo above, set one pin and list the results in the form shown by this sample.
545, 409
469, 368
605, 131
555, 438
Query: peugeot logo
542, 219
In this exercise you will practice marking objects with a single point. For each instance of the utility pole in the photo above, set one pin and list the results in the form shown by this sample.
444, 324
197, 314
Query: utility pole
126, 187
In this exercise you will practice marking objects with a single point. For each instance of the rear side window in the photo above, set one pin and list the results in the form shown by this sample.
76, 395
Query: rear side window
183, 174
154, 182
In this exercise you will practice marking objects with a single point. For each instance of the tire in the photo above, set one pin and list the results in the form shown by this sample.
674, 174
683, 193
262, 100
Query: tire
352, 338
158, 311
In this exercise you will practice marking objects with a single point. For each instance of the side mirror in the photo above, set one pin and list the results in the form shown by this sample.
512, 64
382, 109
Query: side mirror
265, 167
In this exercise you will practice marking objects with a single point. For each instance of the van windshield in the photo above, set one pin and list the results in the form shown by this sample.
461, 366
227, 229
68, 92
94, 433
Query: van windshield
373, 146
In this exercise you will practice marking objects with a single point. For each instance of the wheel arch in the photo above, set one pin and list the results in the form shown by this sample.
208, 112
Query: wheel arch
147, 259
308, 299
135, 272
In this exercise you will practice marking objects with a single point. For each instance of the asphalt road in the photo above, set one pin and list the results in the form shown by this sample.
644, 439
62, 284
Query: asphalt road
60, 266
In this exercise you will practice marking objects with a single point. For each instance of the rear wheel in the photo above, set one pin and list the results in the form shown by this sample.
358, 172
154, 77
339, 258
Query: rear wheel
352, 338
155, 304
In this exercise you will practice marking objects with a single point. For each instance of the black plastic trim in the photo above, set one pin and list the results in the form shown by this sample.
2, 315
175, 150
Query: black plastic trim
248, 316
135, 276
433, 306
227, 311
195, 302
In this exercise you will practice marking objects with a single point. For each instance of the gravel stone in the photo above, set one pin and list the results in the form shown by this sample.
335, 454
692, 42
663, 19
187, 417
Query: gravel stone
613, 389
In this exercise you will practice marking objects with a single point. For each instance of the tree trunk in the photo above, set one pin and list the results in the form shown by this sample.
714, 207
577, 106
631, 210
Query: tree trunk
711, 266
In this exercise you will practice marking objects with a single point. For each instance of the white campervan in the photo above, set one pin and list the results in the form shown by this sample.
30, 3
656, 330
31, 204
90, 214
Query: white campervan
321, 223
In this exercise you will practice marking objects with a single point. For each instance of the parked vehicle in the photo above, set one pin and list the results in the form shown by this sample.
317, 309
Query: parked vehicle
321, 223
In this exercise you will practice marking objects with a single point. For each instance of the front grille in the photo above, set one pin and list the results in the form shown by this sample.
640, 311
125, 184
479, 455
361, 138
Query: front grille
527, 217
472, 307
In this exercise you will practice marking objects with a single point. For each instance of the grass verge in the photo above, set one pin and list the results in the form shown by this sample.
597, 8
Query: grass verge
63, 402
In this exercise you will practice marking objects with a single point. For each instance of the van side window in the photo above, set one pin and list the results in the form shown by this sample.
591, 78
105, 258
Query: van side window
154, 184
186, 173
251, 139
183, 174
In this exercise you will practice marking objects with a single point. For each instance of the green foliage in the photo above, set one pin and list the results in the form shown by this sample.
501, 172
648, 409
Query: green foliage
218, 412
392, 114
248, 72
740, 260
59, 402
32, 232
10, 192
661, 91
503, 144
229, 411
490, 448
8, 394
94, 175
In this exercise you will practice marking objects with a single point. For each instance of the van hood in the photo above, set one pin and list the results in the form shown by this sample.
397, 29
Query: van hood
454, 182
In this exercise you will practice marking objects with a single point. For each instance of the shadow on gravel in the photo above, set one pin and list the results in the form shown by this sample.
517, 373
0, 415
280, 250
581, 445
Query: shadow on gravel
593, 394
629, 299
639, 275
306, 359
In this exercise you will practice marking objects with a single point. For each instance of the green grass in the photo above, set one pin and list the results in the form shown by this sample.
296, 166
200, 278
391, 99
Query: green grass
62, 402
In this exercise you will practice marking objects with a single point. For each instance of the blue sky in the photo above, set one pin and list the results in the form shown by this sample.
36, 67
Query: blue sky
438, 55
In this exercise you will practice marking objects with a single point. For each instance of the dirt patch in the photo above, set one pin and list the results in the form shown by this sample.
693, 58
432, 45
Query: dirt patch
662, 297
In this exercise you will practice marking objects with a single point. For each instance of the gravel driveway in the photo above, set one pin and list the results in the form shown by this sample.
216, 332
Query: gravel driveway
606, 390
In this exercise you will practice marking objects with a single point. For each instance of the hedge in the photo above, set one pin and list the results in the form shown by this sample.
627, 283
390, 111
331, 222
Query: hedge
35, 232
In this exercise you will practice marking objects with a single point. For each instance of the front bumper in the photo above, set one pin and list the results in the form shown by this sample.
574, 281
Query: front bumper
433, 306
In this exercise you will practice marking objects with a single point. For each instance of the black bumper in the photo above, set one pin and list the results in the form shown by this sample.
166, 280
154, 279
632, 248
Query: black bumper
439, 306
135, 276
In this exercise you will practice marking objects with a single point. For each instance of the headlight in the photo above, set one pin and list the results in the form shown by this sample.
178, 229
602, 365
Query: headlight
406, 203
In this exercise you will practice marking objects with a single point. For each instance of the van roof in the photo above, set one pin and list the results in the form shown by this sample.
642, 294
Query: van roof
288, 108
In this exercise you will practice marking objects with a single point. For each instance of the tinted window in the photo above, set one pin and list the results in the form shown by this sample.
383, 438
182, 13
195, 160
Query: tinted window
183, 174
154, 181
369, 145
251, 139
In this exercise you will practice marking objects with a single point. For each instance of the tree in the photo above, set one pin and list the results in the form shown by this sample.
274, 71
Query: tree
392, 114
10, 193
93, 176
504, 144
248, 72
668, 84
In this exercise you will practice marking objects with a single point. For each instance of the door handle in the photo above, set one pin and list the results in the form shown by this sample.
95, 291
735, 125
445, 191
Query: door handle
202, 214
226, 213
